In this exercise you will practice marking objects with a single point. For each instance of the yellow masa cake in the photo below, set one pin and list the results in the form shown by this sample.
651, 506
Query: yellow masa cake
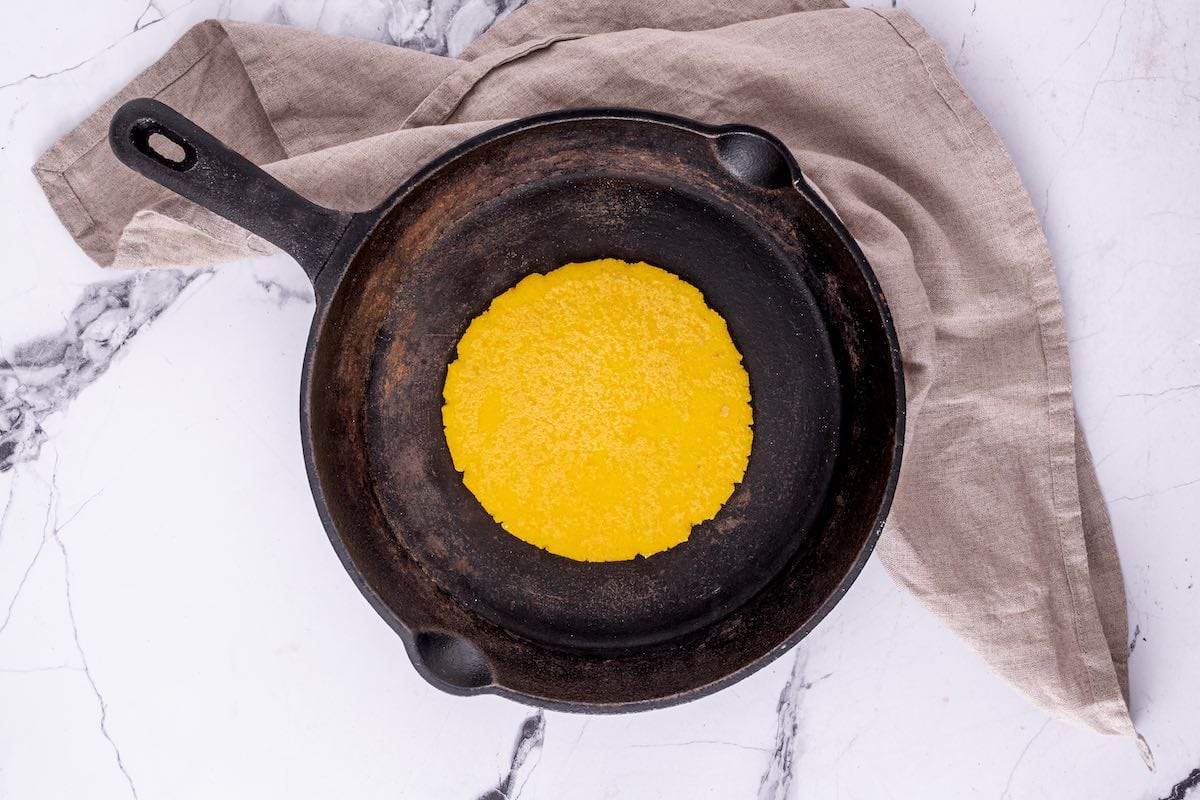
599, 411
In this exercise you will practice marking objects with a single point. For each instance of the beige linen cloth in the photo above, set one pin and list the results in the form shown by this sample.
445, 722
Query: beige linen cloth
998, 526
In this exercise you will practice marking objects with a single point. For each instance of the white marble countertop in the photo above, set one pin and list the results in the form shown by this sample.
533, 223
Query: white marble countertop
174, 624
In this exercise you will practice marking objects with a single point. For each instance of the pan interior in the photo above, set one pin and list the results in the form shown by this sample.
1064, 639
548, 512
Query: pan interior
480, 610
775, 323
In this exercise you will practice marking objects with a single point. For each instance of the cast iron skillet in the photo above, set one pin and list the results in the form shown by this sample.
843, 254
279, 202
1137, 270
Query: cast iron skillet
726, 209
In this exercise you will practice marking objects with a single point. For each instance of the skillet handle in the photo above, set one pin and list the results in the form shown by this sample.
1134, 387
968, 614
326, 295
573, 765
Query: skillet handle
225, 182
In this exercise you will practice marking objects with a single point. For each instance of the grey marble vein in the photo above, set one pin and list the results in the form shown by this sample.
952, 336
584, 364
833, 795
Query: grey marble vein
1021, 758
43, 375
1169, 390
443, 27
8, 504
41, 76
38, 670
530, 739
1154, 492
144, 19
1184, 788
37, 554
56, 532
776, 782
282, 294
1086, 108
139, 24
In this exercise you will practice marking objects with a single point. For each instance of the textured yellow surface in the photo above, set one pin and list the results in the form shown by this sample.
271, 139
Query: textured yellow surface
599, 411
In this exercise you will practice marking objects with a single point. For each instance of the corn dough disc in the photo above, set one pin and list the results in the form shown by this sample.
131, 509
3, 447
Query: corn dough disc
599, 411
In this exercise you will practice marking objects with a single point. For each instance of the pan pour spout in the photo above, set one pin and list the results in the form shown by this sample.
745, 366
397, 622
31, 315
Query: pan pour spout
452, 660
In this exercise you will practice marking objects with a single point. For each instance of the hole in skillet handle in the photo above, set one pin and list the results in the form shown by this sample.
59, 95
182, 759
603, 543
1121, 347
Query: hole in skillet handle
146, 133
